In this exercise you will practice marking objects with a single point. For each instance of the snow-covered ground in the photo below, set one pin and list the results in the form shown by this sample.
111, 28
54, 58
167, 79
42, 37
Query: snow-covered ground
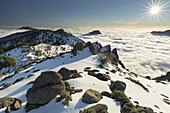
140, 51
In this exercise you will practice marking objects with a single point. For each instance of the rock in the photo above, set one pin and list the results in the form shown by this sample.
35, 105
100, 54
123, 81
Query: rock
128, 108
38, 53
44, 89
97, 44
117, 85
107, 94
91, 96
77, 47
95, 32
93, 49
106, 49
68, 74
65, 73
148, 77
103, 77
11, 103
114, 53
163, 77
99, 108
141, 109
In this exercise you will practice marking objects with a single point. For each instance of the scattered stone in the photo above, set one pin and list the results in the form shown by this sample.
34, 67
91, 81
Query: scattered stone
91, 96
38, 53
36, 70
99, 108
77, 47
11, 103
148, 77
117, 85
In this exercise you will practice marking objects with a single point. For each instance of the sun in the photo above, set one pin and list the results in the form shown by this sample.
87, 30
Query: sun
155, 9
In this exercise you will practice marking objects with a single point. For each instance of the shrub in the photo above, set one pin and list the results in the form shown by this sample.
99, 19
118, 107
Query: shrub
137, 82
17, 70
8, 61
30, 75
65, 96
120, 96
112, 60
166, 101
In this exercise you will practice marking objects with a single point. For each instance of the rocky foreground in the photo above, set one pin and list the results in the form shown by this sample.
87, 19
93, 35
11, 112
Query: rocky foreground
87, 78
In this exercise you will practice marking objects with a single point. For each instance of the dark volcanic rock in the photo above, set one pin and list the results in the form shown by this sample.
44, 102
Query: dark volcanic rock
95, 32
44, 89
11, 103
99, 108
163, 77
93, 49
117, 85
68, 74
128, 108
91, 96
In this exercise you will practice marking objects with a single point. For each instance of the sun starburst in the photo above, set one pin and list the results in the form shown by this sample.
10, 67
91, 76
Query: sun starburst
155, 9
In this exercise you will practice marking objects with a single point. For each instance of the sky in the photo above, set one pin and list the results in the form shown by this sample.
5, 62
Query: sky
78, 12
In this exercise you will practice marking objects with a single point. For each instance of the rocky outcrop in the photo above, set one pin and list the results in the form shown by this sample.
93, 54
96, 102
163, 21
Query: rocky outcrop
11, 103
44, 89
163, 77
93, 49
167, 32
100, 76
95, 32
68, 74
77, 47
91, 96
117, 85
114, 53
99, 108
106, 49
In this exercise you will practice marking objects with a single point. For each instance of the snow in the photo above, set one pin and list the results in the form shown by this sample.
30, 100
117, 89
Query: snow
138, 50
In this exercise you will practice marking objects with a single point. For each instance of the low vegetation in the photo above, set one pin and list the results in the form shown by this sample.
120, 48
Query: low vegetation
137, 82
120, 96
87, 111
31, 75
166, 101
67, 98
17, 70
108, 58
6, 61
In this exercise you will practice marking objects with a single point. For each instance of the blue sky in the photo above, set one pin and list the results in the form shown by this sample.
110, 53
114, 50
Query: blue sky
76, 12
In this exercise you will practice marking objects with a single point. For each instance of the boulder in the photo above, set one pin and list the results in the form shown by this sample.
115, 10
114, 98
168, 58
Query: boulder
141, 109
91, 96
93, 49
106, 49
77, 47
68, 74
128, 108
65, 73
117, 85
103, 77
11, 103
99, 108
44, 89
